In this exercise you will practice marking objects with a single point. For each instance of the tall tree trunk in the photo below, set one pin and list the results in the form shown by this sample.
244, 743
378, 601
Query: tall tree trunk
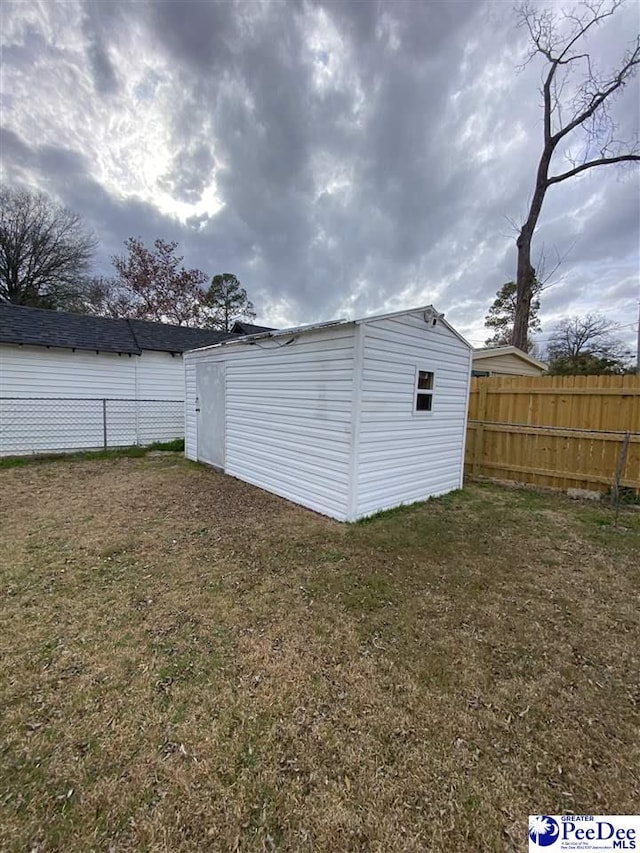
525, 278
526, 274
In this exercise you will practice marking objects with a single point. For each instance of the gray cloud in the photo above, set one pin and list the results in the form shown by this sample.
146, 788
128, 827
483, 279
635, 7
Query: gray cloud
98, 22
337, 156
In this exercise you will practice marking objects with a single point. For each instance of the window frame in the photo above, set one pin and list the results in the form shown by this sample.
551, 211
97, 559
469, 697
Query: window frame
423, 392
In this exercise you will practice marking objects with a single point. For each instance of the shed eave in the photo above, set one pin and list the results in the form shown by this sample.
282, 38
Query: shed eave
312, 327
73, 347
276, 333
420, 310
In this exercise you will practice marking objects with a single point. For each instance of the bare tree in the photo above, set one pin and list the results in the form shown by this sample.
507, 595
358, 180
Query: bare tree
106, 297
151, 284
45, 251
576, 98
587, 345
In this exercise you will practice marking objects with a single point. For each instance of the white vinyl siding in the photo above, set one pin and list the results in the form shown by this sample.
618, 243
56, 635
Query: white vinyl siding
405, 456
288, 416
190, 424
41, 372
62, 421
159, 376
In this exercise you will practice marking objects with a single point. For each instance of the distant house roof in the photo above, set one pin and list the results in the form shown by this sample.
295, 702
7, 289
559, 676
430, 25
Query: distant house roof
167, 338
494, 352
42, 327
242, 328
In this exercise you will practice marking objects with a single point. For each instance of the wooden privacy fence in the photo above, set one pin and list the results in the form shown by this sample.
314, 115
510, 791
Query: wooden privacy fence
564, 432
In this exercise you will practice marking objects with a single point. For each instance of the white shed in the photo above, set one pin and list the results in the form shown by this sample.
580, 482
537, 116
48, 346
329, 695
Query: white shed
346, 418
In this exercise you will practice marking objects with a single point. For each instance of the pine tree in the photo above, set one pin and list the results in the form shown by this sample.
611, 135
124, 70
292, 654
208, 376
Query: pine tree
227, 301
502, 314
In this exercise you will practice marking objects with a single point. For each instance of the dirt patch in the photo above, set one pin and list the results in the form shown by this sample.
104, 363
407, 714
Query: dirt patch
190, 663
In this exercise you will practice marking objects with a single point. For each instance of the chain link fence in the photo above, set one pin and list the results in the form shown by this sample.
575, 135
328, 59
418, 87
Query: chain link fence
51, 424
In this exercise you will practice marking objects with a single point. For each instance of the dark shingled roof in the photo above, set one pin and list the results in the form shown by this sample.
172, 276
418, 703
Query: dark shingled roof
42, 327
242, 328
162, 336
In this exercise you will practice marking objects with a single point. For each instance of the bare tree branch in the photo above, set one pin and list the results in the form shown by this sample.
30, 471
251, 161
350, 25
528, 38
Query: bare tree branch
602, 93
602, 161
544, 277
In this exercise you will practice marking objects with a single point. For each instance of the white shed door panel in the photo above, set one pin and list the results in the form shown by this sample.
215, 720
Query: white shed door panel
210, 408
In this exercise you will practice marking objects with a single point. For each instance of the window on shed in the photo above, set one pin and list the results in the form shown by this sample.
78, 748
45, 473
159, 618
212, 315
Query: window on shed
424, 391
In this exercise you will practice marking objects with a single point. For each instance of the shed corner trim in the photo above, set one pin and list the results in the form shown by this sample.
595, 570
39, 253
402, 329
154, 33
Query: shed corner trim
358, 361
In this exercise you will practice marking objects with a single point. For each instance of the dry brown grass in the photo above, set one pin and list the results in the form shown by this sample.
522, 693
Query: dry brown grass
189, 663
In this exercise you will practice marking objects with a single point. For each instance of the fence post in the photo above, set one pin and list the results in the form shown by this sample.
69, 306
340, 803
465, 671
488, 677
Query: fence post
622, 458
104, 422
481, 415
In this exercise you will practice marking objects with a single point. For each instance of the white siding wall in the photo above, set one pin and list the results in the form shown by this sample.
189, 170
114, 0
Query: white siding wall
159, 376
190, 425
403, 456
288, 416
37, 426
42, 372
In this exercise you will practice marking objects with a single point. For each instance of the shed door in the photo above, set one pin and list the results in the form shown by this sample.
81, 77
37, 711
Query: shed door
210, 390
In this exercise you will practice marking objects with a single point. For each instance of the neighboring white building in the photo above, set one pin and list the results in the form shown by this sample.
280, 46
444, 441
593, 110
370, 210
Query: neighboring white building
506, 361
72, 381
346, 418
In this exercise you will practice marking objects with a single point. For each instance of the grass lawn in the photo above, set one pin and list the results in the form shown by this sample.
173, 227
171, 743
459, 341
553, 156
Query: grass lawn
189, 663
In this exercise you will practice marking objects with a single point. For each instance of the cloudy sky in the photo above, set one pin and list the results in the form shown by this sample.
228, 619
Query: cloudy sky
341, 158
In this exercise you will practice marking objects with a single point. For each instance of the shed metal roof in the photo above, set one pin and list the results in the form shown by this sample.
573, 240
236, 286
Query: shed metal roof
42, 327
299, 330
